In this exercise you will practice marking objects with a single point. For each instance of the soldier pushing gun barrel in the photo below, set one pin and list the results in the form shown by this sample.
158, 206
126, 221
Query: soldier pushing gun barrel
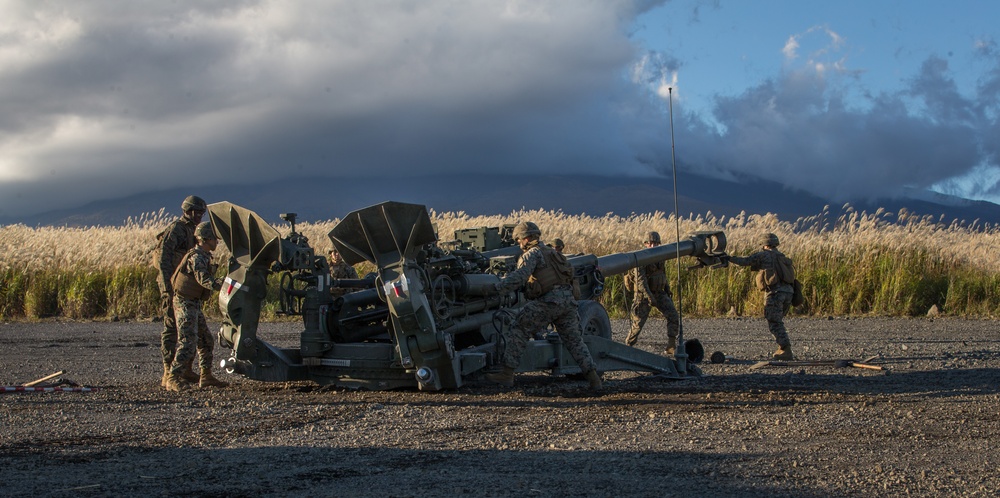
649, 282
775, 277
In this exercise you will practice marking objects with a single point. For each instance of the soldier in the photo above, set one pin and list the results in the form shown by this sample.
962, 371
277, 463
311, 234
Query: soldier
339, 269
779, 295
550, 295
174, 242
193, 283
558, 245
651, 289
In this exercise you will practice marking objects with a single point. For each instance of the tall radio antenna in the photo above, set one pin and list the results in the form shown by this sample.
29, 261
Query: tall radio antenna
681, 350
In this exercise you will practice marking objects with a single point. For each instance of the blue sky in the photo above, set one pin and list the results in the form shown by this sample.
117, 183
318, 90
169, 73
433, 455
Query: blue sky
864, 52
847, 100
726, 46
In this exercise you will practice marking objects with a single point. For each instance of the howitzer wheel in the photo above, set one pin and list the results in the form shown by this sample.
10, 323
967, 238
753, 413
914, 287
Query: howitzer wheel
594, 319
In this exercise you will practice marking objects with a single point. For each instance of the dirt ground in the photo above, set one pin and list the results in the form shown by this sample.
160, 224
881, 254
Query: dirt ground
926, 426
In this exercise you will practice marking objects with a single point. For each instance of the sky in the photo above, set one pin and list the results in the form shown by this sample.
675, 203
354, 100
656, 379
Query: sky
848, 100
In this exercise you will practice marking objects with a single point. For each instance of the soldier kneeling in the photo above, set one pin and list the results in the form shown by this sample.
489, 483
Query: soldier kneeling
551, 300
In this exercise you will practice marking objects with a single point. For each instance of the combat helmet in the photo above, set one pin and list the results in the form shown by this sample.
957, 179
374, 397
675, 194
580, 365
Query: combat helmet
526, 229
204, 231
194, 202
653, 237
558, 244
769, 239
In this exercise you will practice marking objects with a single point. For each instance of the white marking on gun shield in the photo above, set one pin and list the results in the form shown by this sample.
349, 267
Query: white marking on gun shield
231, 286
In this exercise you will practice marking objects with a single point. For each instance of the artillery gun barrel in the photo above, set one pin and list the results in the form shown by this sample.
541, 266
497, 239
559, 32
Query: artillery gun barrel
353, 283
700, 244
503, 252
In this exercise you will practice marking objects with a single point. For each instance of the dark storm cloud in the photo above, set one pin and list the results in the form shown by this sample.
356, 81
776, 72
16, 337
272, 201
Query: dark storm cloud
159, 96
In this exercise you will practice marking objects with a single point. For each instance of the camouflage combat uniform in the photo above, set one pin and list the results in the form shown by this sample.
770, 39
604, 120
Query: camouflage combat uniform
651, 289
178, 239
191, 325
556, 307
778, 297
338, 271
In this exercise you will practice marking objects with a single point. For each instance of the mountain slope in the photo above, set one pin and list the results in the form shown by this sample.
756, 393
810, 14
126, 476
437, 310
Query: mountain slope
321, 199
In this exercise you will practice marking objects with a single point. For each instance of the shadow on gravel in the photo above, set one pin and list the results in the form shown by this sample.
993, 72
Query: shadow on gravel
934, 383
318, 471
561, 393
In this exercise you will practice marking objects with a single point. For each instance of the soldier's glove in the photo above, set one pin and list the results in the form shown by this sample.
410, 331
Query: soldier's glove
724, 260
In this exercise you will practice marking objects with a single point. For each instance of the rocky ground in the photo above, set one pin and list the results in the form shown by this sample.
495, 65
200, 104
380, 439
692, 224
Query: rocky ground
927, 426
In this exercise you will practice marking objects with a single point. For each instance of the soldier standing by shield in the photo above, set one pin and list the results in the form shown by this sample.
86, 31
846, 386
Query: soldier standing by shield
193, 283
558, 245
651, 289
778, 295
174, 242
339, 269
550, 295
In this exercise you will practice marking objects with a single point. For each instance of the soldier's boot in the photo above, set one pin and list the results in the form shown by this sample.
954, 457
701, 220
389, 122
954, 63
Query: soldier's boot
188, 375
505, 377
633, 337
671, 346
595, 380
176, 383
166, 373
209, 380
784, 353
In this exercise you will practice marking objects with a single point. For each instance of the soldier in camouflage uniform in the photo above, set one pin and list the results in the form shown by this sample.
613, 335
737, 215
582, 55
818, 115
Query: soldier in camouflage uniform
778, 297
556, 306
651, 289
558, 245
174, 242
193, 282
339, 269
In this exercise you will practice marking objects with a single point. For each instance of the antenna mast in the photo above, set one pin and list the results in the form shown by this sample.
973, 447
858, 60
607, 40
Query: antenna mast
681, 350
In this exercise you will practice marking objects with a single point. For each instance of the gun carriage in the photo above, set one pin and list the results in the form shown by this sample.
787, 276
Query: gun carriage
428, 318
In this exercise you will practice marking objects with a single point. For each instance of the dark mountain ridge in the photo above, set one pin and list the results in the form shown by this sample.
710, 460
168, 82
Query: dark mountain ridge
317, 199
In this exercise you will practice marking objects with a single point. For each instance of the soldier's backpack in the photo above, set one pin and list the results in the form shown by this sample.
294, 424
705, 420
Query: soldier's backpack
157, 250
558, 271
797, 298
782, 273
785, 269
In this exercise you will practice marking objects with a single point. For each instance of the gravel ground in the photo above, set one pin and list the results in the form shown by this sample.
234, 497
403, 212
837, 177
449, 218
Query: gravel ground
924, 427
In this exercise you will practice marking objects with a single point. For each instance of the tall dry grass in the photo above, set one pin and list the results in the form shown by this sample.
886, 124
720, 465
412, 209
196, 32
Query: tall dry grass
852, 263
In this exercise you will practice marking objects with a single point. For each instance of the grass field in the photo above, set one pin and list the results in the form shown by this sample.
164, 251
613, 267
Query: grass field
851, 263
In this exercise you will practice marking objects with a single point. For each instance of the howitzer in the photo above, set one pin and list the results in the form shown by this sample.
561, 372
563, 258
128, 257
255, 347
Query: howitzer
430, 317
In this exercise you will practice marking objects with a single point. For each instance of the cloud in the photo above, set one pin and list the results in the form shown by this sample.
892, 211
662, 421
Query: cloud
808, 129
172, 94
179, 94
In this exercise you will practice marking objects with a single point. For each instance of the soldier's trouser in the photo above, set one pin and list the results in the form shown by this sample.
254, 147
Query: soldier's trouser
536, 315
642, 305
193, 335
775, 307
168, 336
